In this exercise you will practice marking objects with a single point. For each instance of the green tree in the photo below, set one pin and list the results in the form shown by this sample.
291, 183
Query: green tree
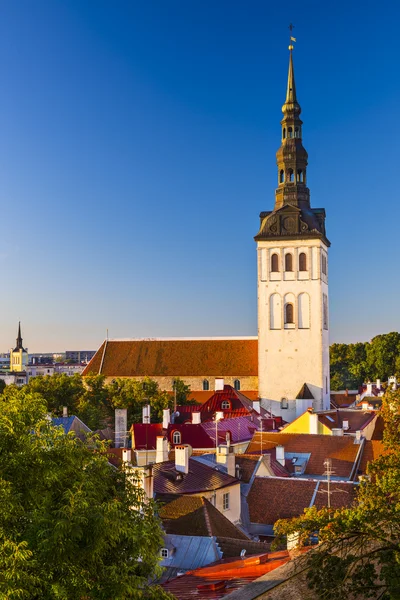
383, 356
71, 526
359, 552
134, 395
58, 390
94, 406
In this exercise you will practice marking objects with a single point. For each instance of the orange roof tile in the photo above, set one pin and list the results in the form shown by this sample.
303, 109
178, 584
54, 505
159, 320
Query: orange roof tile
373, 449
173, 358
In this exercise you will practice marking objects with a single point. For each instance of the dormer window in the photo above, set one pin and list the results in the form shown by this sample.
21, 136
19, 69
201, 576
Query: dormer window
225, 405
176, 437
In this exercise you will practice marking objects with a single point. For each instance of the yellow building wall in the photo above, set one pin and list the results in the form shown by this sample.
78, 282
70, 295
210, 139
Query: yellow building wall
302, 425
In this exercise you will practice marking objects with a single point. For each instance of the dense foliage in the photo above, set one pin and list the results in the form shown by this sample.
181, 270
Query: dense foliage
71, 526
353, 364
94, 401
359, 552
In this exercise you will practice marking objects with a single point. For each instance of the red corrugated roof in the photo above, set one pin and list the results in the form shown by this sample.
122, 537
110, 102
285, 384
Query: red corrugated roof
231, 574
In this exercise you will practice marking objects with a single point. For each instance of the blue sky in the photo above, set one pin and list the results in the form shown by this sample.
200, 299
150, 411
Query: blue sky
137, 148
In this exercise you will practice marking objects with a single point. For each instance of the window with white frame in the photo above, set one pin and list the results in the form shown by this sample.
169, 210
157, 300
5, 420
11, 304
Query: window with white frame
176, 437
225, 501
225, 405
164, 553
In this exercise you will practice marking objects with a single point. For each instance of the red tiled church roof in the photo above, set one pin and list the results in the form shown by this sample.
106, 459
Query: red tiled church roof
173, 358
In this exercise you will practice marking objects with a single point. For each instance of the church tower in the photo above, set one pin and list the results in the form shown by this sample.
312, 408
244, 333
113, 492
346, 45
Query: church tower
292, 247
18, 355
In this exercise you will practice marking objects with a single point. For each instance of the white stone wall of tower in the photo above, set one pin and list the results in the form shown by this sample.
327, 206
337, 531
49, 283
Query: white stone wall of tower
292, 355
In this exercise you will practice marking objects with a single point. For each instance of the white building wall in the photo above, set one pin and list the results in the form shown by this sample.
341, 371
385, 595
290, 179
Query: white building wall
292, 354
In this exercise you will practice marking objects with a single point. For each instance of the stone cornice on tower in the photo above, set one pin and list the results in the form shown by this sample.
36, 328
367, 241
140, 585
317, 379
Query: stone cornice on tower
292, 217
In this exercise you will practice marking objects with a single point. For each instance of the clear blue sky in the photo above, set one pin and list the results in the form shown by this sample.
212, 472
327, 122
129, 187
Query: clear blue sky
137, 148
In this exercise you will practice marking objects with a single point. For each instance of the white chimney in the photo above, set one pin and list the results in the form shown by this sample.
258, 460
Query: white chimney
345, 425
257, 406
313, 422
148, 481
166, 418
146, 414
219, 415
226, 456
126, 455
364, 405
369, 388
196, 418
358, 436
337, 431
280, 455
219, 384
65, 411
378, 384
161, 449
182, 458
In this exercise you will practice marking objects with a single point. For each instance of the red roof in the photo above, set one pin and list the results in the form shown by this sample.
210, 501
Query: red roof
223, 577
201, 478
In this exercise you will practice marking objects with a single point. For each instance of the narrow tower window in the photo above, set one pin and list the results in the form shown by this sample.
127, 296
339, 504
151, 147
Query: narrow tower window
290, 132
274, 263
289, 313
296, 132
302, 261
282, 176
291, 175
324, 264
288, 262
206, 385
236, 384
300, 177
284, 133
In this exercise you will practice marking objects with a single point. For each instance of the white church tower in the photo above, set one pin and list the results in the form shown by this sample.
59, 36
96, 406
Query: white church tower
293, 325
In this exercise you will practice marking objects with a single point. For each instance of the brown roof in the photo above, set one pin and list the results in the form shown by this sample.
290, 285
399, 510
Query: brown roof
200, 478
247, 465
357, 419
372, 450
194, 515
341, 449
155, 358
231, 547
273, 498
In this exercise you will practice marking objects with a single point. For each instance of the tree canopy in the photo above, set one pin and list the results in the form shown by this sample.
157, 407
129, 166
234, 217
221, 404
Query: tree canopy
359, 552
71, 525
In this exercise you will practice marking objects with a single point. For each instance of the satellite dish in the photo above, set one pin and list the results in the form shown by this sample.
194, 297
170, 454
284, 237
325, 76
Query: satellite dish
190, 449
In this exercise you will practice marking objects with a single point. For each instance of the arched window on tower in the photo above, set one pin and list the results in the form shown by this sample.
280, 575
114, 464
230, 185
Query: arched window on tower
289, 313
236, 385
291, 175
206, 385
296, 132
300, 177
275, 263
302, 261
288, 262
281, 176
290, 132
284, 133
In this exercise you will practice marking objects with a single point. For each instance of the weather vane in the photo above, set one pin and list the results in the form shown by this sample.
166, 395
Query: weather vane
292, 39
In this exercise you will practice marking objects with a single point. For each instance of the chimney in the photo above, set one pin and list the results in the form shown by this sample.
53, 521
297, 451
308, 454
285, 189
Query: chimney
182, 458
148, 481
196, 418
146, 414
219, 384
65, 411
126, 455
166, 418
280, 455
358, 436
378, 384
257, 406
337, 431
226, 456
346, 392
369, 388
364, 405
161, 449
345, 425
313, 422
219, 415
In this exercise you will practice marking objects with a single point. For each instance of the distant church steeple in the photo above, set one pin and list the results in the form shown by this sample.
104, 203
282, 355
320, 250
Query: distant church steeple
18, 355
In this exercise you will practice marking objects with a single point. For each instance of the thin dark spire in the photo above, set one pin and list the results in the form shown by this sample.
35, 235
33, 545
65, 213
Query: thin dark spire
19, 338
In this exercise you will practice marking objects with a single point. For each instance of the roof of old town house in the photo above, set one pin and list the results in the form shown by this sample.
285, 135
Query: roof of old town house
273, 498
342, 450
201, 357
195, 515
356, 419
200, 478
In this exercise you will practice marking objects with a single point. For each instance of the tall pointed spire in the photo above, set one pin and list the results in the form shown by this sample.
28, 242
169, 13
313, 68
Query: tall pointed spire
291, 84
19, 338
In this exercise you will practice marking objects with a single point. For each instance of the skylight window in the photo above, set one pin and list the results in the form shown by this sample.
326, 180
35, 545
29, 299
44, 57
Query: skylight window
330, 419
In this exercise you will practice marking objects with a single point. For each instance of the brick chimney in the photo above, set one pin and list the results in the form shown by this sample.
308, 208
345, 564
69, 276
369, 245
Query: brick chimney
182, 458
